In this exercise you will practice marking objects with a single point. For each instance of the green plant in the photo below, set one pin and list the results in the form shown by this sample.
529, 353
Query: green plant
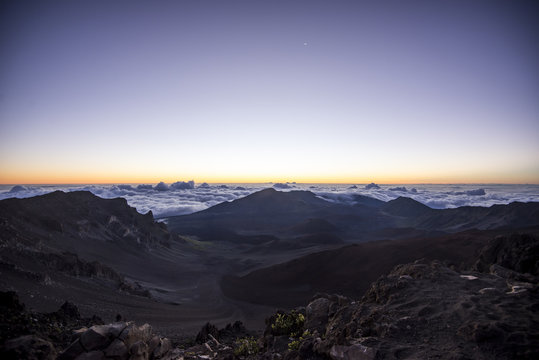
290, 324
246, 346
294, 344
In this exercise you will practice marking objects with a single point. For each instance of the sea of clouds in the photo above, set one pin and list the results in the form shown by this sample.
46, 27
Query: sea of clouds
185, 197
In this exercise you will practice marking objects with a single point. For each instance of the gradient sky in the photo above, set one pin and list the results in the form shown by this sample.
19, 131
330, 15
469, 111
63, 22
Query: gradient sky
239, 91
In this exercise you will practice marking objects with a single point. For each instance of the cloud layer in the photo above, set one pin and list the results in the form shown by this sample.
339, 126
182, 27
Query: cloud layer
185, 197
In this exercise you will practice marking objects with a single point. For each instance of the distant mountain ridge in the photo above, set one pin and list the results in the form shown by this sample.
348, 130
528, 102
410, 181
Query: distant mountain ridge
272, 212
270, 201
81, 215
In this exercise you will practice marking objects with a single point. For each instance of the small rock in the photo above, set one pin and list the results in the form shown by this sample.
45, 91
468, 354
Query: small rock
516, 289
70, 310
78, 333
92, 355
488, 290
163, 348
99, 336
212, 338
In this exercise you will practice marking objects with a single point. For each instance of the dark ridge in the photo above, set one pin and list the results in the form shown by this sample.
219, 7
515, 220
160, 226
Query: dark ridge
511, 216
80, 215
270, 201
368, 201
404, 206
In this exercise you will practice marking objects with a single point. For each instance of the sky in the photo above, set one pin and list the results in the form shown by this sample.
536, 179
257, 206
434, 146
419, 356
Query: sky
255, 91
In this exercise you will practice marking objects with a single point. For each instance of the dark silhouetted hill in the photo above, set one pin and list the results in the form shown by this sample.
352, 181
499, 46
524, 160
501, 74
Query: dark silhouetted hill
404, 206
76, 220
284, 214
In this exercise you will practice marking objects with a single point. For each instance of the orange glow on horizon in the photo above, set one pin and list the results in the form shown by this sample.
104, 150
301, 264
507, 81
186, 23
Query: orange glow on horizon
49, 179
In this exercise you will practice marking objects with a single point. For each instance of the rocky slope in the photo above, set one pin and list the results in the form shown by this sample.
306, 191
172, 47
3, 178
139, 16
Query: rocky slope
67, 233
107, 258
79, 220
419, 310
354, 266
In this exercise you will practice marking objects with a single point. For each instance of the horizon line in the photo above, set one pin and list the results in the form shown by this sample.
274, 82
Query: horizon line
271, 182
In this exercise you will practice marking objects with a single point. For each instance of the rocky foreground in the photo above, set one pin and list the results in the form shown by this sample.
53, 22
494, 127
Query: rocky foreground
423, 310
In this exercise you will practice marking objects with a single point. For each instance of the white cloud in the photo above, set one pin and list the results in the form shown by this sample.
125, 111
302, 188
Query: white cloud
182, 185
478, 192
178, 201
398, 188
282, 186
144, 187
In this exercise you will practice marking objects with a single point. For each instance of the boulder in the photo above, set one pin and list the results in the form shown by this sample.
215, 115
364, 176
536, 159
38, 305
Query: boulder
117, 350
28, 347
99, 336
133, 334
72, 351
153, 343
138, 351
207, 329
316, 315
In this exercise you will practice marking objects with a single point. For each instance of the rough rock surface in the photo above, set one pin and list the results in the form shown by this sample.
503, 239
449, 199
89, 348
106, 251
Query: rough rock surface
118, 341
426, 310
79, 215
56, 328
29, 347
517, 252
420, 310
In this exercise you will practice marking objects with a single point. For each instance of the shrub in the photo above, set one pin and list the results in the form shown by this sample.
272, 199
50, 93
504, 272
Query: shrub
246, 346
294, 344
290, 324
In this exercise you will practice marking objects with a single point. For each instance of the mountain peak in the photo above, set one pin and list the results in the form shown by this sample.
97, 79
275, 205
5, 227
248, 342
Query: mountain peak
270, 200
405, 206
